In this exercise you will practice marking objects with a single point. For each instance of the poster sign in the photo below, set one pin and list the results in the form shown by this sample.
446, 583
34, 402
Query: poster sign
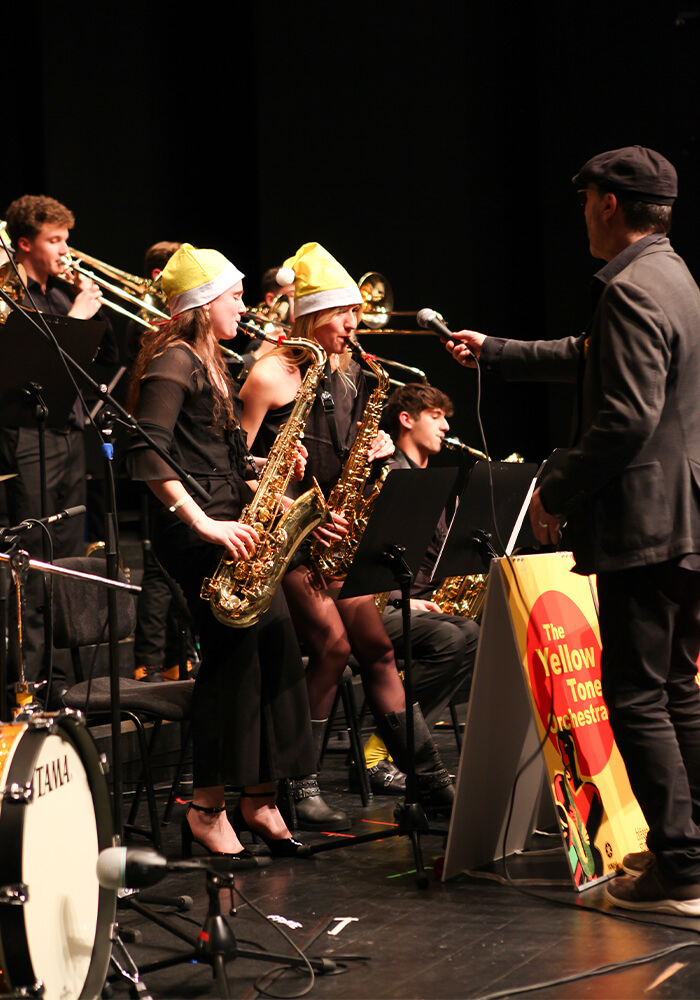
538, 673
557, 632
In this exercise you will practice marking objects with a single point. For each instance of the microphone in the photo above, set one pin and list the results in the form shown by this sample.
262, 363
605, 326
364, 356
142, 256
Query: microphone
28, 525
138, 868
430, 320
456, 444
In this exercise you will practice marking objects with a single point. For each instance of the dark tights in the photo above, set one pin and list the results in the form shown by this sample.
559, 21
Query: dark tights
330, 631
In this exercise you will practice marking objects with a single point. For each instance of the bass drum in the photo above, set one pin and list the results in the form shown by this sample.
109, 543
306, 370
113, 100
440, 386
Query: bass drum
55, 818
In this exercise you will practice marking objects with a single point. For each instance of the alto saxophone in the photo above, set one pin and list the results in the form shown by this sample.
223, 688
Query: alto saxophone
465, 595
347, 497
239, 592
462, 595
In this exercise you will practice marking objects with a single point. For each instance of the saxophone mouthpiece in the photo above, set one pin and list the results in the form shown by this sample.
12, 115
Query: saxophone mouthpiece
357, 350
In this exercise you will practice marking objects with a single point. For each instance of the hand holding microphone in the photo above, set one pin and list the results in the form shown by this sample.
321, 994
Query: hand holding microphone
464, 346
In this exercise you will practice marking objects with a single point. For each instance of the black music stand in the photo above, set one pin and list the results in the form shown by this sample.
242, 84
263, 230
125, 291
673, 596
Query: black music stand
475, 536
391, 551
34, 361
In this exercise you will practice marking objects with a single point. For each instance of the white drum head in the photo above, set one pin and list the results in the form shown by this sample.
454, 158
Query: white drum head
59, 857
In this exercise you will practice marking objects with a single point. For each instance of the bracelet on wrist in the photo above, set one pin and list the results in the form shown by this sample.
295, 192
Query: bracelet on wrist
179, 503
197, 518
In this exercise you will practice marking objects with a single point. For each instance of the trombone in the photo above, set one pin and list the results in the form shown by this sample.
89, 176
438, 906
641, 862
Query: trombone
142, 296
143, 288
12, 283
264, 319
379, 305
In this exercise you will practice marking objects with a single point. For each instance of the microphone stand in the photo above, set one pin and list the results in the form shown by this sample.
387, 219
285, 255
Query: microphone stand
18, 558
216, 943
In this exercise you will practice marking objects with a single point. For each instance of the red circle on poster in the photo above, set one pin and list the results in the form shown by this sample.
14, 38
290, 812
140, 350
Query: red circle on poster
564, 651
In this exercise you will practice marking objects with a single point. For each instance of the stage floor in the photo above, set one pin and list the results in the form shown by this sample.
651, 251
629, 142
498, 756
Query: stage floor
473, 937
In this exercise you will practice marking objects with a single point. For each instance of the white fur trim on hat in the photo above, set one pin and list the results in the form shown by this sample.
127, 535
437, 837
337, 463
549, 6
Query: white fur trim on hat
202, 294
327, 299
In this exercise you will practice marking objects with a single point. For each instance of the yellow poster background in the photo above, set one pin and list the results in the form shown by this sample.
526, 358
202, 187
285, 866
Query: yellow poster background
557, 632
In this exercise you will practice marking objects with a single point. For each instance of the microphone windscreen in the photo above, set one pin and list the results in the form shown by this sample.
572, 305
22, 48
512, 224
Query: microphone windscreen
424, 317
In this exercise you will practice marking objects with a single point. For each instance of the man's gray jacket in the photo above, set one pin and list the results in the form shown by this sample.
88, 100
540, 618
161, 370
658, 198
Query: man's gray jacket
630, 486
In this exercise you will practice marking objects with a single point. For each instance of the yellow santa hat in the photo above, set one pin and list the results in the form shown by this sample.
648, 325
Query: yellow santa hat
193, 277
320, 282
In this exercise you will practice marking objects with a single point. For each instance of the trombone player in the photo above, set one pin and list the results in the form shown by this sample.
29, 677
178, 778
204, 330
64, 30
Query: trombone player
38, 229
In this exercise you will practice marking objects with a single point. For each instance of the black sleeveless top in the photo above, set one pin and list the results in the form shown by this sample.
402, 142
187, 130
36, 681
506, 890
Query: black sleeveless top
350, 397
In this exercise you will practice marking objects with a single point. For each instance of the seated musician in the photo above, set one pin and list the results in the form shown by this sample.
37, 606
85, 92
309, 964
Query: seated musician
327, 307
159, 608
443, 646
272, 291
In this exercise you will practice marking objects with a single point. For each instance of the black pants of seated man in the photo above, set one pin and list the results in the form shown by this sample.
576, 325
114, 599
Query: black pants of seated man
443, 650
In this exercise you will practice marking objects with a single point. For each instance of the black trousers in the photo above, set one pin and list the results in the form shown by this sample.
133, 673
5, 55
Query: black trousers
156, 639
443, 650
650, 628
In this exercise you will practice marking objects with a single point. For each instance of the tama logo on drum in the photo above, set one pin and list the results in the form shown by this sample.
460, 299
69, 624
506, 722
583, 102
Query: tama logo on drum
50, 776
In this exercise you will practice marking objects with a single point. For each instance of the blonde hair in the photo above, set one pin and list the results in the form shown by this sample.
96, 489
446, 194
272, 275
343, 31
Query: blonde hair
306, 326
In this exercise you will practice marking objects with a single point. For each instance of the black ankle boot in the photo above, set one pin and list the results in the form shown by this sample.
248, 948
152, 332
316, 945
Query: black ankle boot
311, 812
434, 784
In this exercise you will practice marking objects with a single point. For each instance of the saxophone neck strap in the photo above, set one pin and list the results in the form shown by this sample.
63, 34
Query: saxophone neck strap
329, 409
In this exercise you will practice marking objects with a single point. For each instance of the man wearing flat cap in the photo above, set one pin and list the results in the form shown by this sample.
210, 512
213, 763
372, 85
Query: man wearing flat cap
628, 498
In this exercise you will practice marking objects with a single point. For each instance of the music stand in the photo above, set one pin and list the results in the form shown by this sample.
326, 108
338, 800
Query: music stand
475, 536
34, 361
390, 552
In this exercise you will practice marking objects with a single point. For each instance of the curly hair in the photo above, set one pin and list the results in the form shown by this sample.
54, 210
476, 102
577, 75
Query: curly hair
26, 216
413, 399
194, 329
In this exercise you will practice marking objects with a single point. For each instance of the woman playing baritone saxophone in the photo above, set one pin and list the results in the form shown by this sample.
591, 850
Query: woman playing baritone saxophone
327, 309
250, 710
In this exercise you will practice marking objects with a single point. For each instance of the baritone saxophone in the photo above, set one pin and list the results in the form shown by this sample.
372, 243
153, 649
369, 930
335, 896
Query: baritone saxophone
240, 591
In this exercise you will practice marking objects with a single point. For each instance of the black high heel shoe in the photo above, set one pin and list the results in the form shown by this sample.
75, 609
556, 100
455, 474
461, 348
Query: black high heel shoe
286, 847
240, 860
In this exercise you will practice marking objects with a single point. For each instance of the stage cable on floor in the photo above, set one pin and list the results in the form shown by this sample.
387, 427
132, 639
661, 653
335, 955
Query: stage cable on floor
600, 970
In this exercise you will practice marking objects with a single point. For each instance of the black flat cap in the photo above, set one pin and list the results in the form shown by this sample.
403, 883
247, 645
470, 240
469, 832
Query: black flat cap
635, 170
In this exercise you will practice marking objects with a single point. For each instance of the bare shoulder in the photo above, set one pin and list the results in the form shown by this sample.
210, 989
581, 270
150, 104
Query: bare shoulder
270, 384
271, 378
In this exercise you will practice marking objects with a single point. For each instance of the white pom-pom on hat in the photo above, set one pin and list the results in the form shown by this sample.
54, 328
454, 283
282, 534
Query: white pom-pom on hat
285, 276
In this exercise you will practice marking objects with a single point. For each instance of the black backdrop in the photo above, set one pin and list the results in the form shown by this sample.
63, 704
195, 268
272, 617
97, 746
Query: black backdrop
433, 142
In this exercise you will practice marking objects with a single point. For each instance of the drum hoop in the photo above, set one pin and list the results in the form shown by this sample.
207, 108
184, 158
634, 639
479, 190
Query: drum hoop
19, 971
